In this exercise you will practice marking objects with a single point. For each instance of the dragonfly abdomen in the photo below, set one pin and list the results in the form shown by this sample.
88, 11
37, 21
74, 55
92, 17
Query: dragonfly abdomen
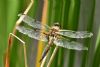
45, 52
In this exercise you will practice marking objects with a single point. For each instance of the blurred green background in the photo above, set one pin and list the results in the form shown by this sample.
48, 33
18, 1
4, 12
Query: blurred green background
71, 14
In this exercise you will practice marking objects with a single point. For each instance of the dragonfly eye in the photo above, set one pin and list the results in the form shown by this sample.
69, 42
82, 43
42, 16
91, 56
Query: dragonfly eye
57, 24
55, 28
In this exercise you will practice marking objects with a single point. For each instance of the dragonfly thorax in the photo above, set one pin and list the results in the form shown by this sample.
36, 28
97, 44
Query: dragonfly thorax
56, 27
53, 30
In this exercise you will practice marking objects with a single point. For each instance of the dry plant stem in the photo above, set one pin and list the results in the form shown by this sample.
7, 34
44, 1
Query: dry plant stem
21, 17
11, 34
14, 31
44, 60
29, 7
52, 57
24, 46
40, 47
25, 56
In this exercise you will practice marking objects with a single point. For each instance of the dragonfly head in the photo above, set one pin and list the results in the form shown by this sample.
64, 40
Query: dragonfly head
55, 27
57, 24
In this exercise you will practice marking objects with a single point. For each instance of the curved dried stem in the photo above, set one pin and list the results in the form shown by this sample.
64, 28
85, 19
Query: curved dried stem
52, 57
25, 55
14, 31
11, 34
44, 60
24, 46
29, 7
21, 17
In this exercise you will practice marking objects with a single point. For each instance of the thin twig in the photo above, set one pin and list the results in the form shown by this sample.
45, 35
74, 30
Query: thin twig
25, 56
29, 7
52, 57
24, 46
14, 31
17, 38
22, 17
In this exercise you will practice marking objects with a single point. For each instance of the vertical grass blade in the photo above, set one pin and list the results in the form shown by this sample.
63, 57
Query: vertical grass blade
3, 31
12, 12
54, 15
64, 20
90, 19
15, 54
73, 19
40, 45
96, 58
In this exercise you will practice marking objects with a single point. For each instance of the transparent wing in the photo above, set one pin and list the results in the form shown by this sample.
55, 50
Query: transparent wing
69, 44
32, 33
35, 24
75, 34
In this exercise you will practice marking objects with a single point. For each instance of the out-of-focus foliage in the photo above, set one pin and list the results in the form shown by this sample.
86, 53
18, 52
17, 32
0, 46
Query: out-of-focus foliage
71, 14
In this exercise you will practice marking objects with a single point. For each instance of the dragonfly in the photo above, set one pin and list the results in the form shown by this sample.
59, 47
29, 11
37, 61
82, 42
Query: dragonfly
53, 35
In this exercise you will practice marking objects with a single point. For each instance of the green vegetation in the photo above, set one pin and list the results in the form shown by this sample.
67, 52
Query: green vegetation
71, 14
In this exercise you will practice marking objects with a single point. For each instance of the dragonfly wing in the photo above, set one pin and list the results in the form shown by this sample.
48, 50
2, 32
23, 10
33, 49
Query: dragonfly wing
32, 33
69, 44
75, 34
35, 24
